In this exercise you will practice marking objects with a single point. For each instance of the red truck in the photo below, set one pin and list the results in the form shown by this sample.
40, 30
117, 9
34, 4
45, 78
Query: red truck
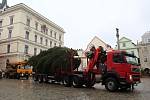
115, 69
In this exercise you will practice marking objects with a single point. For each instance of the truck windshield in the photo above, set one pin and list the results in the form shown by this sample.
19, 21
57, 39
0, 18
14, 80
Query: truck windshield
131, 59
27, 67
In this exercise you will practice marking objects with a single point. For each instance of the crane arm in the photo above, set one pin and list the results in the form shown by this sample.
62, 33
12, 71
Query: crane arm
93, 60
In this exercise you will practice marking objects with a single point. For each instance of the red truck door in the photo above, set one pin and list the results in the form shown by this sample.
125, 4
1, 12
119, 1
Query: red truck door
119, 64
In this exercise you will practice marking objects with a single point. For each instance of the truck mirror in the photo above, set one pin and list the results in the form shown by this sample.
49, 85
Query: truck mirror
139, 61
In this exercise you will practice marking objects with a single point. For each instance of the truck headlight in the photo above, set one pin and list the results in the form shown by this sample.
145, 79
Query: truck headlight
130, 77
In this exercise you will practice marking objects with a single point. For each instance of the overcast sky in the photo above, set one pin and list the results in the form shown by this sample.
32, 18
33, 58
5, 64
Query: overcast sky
84, 19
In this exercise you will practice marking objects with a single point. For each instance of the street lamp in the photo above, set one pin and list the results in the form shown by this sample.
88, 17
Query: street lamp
117, 35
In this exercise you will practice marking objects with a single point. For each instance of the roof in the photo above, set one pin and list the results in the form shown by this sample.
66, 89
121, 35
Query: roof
107, 45
129, 40
125, 39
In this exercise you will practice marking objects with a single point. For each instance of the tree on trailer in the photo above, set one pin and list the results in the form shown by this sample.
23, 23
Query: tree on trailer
54, 63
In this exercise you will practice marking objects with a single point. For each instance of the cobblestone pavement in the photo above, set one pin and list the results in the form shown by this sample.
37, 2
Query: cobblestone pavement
29, 90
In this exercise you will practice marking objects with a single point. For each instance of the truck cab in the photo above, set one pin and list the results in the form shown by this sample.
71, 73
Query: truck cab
23, 70
123, 70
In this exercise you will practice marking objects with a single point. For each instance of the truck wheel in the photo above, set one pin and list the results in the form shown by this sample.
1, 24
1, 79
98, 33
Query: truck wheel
76, 82
45, 80
35, 78
111, 84
66, 81
18, 76
90, 84
40, 79
27, 77
91, 80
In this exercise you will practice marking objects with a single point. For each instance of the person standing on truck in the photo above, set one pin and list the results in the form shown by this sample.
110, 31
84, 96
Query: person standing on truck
100, 64
91, 53
97, 57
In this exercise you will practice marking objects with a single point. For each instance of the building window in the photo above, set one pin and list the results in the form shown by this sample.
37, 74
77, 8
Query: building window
41, 29
51, 33
36, 25
55, 35
11, 20
46, 42
145, 59
8, 48
41, 40
10, 34
50, 43
28, 22
54, 44
149, 40
1, 22
35, 51
124, 45
26, 49
27, 35
46, 31
59, 45
35, 38
59, 37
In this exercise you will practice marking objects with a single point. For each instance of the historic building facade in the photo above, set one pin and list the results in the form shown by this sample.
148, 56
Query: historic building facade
24, 33
127, 45
144, 51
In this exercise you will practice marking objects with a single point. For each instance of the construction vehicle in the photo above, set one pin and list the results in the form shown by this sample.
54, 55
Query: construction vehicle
18, 70
115, 69
23, 70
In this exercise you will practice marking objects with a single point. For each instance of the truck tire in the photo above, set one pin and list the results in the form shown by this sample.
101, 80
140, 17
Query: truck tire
27, 77
45, 79
40, 79
67, 81
111, 84
91, 80
35, 77
90, 84
18, 76
76, 82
